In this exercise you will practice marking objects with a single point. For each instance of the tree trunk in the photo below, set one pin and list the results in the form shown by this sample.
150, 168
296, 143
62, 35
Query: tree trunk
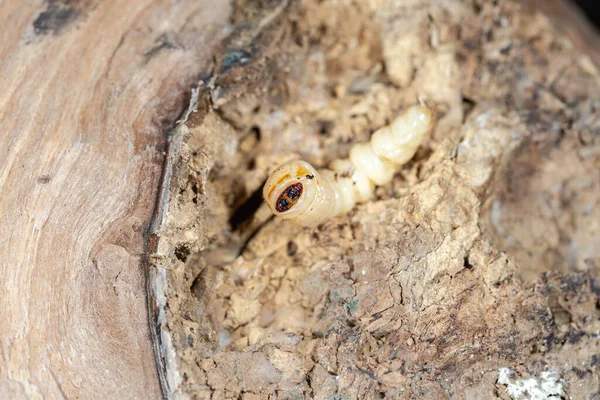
421, 293
88, 89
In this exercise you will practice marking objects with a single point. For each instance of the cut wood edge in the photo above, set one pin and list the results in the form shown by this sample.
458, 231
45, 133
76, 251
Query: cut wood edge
160, 257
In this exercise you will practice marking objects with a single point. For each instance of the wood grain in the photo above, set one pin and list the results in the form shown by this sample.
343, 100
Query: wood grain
568, 18
88, 90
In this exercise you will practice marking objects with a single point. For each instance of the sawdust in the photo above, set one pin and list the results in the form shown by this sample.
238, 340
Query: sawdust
482, 254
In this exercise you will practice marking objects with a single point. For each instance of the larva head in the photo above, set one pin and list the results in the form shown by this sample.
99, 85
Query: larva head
292, 189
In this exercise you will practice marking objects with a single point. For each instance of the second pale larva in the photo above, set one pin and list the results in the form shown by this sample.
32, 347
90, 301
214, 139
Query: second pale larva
297, 191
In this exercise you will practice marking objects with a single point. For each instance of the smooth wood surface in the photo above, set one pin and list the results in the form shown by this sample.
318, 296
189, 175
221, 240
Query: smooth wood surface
89, 89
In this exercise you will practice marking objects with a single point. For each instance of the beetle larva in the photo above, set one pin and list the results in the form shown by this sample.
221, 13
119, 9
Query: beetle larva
297, 191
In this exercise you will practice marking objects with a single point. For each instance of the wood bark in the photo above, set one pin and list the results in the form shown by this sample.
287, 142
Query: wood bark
88, 89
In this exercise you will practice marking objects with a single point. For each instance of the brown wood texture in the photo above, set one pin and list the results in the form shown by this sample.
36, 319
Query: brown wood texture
403, 287
571, 20
89, 89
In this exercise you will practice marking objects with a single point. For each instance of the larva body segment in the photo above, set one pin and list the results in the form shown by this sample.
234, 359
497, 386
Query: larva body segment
297, 191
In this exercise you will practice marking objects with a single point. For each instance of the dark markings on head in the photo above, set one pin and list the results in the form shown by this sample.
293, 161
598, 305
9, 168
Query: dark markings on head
289, 197
309, 176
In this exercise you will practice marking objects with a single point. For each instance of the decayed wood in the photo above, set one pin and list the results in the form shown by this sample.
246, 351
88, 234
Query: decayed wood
256, 27
88, 89
571, 20
415, 294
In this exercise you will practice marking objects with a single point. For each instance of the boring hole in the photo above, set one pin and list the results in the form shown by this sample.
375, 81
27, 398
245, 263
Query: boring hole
247, 209
182, 253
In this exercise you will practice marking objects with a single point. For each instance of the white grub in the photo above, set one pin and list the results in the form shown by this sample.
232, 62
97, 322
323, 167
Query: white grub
298, 192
